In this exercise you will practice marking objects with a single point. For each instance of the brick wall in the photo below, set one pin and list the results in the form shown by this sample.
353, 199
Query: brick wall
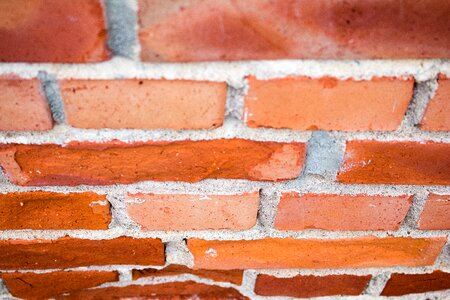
224, 149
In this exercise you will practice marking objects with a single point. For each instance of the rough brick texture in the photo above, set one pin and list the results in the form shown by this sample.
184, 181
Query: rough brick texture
437, 114
341, 212
52, 31
327, 103
71, 252
180, 104
311, 286
396, 163
403, 284
45, 210
23, 106
436, 213
49, 285
264, 29
315, 253
193, 212
172, 161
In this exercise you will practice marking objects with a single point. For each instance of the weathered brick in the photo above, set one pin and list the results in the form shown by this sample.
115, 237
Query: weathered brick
232, 276
49, 285
311, 286
286, 253
436, 213
71, 252
437, 114
133, 103
403, 284
396, 163
327, 103
172, 290
52, 31
264, 29
47, 210
341, 212
193, 212
191, 161
23, 106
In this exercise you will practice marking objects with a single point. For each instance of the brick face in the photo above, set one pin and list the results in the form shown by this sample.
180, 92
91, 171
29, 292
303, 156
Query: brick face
264, 29
403, 284
189, 161
23, 106
327, 103
52, 31
193, 212
133, 103
376, 162
436, 213
45, 210
341, 212
362, 252
437, 114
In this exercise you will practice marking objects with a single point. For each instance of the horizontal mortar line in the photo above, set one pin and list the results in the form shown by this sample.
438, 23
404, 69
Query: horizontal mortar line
120, 67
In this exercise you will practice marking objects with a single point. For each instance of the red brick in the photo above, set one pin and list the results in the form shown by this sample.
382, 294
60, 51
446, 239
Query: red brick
311, 286
46, 210
191, 161
23, 106
172, 290
403, 284
278, 253
52, 31
341, 212
133, 103
232, 276
71, 252
436, 213
193, 212
396, 163
327, 103
49, 285
437, 114
265, 29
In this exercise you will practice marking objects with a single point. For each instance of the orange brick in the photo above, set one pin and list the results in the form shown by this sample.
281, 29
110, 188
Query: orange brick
265, 29
437, 114
52, 31
327, 103
232, 276
311, 286
341, 212
175, 104
49, 285
404, 284
191, 161
46, 210
396, 163
193, 212
436, 214
277, 253
71, 252
23, 106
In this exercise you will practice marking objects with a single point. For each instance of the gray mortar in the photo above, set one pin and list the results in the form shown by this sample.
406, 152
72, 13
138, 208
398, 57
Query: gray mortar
412, 218
53, 95
377, 284
178, 253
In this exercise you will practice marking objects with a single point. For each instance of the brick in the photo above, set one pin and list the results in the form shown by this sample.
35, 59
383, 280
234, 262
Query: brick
437, 113
436, 213
403, 284
23, 106
377, 162
311, 286
232, 276
341, 212
327, 103
172, 290
364, 252
193, 212
265, 29
147, 104
49, 285
52, 31
190, 161
72, 252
